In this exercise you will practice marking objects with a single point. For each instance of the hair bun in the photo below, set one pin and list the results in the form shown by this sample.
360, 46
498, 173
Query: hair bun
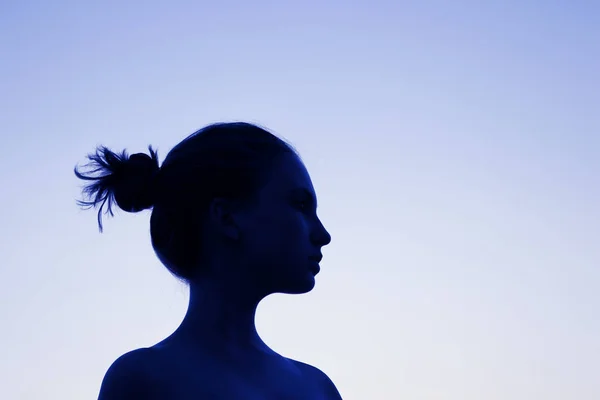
135, 190
116, 177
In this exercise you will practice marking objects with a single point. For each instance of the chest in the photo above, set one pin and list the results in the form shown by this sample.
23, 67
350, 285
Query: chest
271, 382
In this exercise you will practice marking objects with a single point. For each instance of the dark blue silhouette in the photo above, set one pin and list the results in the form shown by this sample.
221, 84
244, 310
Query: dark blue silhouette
234, 216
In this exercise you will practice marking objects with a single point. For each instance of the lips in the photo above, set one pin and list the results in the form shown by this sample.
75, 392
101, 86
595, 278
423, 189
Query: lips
315, 268
316, 258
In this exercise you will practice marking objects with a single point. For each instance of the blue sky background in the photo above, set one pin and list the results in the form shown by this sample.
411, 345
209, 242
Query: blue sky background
454, 146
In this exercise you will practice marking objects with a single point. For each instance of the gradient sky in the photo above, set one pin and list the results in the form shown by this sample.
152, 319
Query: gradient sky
454, 147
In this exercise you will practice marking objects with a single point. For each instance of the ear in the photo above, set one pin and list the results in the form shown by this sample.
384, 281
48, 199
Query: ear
221, 214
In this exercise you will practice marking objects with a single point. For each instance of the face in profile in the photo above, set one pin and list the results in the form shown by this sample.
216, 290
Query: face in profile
282, 235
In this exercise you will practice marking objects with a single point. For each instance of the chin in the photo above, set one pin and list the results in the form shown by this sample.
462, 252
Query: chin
300, 287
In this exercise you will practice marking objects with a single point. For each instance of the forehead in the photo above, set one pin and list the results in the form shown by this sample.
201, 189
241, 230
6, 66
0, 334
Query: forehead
288, 173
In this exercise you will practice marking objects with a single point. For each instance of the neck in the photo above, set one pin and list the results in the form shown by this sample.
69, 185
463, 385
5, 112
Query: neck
222, 317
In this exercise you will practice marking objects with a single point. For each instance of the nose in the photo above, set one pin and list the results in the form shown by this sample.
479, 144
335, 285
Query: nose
320, 236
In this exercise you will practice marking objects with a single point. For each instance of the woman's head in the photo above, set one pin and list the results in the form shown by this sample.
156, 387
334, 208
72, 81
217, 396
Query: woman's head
229, 196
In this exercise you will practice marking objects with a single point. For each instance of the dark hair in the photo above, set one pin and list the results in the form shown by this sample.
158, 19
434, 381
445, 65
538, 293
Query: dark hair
221, 160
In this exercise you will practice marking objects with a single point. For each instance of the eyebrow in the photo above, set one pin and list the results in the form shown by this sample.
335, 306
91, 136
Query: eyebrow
305, 192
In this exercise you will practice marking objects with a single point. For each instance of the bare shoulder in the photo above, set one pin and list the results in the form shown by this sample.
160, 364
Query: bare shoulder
131, 376
321, 378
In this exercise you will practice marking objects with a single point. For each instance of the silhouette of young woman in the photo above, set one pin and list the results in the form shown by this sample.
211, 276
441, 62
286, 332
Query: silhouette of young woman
233, 215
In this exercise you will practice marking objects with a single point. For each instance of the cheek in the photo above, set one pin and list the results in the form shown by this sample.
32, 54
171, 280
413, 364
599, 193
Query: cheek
283, 224
279, 234
292, 232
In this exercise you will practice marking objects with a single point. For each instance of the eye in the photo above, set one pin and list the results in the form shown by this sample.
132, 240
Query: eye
303, 201
303, 204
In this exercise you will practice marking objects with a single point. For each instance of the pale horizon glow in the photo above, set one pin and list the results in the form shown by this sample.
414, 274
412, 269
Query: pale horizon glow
454, 148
